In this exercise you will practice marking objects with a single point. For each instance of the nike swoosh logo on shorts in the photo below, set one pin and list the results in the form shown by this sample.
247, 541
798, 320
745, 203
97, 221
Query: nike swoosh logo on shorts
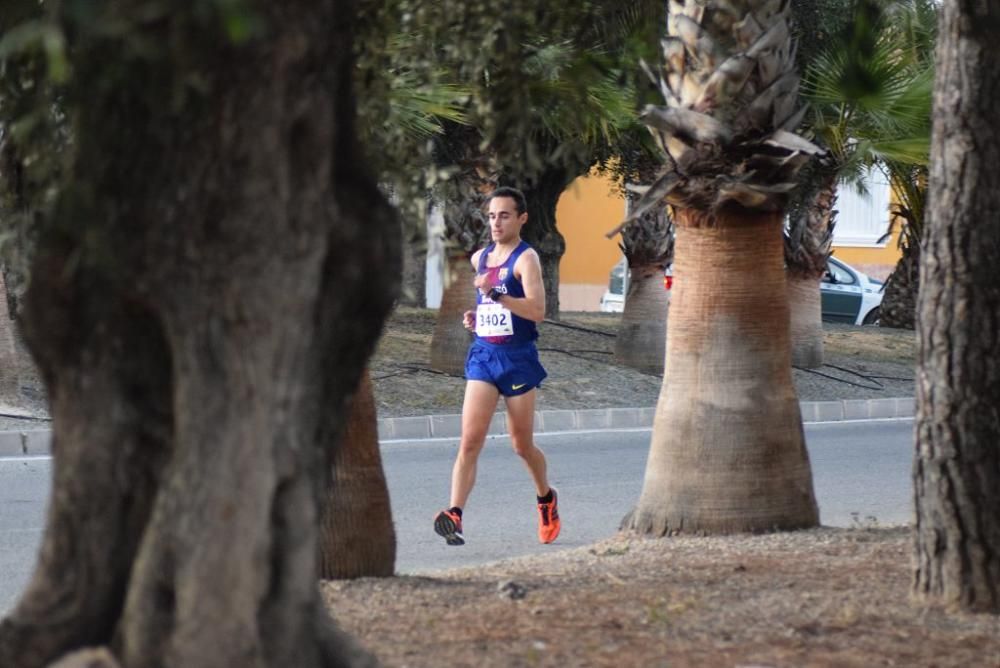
517, 387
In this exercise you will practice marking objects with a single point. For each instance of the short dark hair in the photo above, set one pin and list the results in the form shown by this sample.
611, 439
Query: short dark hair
520, 203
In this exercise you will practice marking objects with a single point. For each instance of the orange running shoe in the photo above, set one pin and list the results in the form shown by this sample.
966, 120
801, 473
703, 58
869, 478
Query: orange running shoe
449, 525
548, 519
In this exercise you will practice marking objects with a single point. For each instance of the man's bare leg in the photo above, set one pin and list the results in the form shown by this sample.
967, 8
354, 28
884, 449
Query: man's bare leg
521, 427
477, 411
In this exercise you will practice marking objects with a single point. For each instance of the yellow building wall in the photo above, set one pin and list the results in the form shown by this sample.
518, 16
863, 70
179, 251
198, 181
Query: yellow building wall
876, 262
591, 206
586, 210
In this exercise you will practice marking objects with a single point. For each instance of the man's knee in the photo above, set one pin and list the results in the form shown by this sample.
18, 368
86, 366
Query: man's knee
523, 445
472, 445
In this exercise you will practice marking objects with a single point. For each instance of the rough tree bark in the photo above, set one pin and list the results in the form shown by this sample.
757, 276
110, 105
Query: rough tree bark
807, 247
357, 537
957, 464
450, 341
10, 376
202, 305
899, 303
414, 289
642, 332
727, 453
648, 245
806, 320
542, 194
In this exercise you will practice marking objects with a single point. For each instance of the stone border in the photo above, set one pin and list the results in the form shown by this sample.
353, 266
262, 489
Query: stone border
449, 426
36, 442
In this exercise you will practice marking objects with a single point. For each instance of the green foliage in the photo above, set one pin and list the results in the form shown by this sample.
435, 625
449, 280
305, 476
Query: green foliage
870, 96
869, 99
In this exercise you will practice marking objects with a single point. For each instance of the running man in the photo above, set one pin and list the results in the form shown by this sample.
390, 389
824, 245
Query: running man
502, 360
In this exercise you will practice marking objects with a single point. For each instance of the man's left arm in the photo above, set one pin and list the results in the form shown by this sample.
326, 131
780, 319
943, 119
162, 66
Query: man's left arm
528, 270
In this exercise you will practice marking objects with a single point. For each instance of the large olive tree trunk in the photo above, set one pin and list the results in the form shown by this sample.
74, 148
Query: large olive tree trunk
543, 193
357, 537
727, 452
10, 366
957, 464
202, 306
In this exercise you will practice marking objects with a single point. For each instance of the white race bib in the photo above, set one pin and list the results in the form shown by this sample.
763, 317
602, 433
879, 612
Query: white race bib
492, 319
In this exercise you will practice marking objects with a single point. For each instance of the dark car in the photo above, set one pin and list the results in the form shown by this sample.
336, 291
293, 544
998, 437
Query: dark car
849, 295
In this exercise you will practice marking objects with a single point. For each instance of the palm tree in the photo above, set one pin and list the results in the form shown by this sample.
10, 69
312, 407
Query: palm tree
648, 245
459, 201
572, 108
909, 183
916, 24
727, 451
869, 98
553, 99
357, 537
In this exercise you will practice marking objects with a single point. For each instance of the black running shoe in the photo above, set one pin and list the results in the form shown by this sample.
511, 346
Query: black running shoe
449, 525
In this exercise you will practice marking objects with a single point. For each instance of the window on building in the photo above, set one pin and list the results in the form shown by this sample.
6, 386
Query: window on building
863, 219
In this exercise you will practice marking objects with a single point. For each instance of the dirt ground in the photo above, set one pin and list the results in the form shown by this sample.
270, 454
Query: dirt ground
577, 352
824, 598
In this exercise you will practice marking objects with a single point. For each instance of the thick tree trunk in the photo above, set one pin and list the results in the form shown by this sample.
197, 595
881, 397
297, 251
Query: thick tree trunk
10, 374
727, 451
956, 470
899, 303
642, 332
450, 341
357, 538
808, 241
540, 231
414, 287
806, 321
201, 308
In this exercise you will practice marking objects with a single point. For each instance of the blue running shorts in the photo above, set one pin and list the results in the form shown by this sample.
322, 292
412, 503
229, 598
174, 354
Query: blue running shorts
513, 369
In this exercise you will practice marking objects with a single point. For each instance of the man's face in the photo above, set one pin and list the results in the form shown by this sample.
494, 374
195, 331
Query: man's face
505, 223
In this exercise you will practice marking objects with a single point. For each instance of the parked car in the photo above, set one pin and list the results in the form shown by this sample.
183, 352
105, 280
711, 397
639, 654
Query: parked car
848, 295
613, 299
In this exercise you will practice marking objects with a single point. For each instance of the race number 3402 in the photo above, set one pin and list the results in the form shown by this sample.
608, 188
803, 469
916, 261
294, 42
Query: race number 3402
493, 320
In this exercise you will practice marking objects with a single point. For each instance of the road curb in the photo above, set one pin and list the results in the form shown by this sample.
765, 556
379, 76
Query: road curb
449, 426
38, 442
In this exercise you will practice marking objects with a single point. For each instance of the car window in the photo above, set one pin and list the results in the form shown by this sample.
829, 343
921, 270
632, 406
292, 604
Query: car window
616, 285
838, 274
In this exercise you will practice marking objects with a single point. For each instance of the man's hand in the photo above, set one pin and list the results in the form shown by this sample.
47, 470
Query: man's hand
469, 320
482, 283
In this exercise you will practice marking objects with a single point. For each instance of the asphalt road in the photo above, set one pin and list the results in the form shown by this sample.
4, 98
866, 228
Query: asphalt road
861, 472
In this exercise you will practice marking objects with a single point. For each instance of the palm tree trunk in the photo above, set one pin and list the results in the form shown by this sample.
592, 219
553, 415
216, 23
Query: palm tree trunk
806, 321
357, 538
727, 451
642, 332
450, 341
807, 247
899, 303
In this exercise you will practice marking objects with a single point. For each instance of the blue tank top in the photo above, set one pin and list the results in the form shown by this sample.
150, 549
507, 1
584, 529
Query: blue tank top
502, 276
